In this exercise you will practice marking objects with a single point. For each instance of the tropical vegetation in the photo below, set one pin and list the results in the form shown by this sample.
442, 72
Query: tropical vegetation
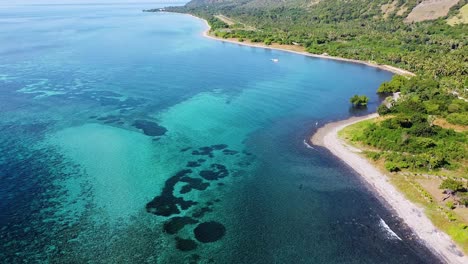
359, 100
355, 29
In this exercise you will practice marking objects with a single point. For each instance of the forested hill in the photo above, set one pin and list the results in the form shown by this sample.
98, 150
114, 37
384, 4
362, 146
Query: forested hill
428, 38
410, 10
385, 31
252, 3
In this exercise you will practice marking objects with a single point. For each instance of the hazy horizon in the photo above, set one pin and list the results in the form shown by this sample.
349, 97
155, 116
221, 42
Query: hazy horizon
91, 1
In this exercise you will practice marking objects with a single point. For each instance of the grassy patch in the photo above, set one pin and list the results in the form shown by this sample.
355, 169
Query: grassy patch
443, 123
354, 132
461, 18
443, 218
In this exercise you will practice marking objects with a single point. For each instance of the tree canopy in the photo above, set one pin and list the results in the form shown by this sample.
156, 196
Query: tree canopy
359, 100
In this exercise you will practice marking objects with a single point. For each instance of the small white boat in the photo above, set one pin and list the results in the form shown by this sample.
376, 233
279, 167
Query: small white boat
274, 60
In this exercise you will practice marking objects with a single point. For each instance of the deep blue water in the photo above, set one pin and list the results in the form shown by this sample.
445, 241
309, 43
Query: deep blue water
128, 137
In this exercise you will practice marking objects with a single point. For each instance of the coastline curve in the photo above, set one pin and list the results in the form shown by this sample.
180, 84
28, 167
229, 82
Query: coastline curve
412, 215
384, 67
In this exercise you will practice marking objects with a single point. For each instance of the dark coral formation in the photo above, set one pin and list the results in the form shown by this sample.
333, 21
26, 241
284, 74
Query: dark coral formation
208, 232
193, 164
217, 172
185, 244
247, 153
208, 151
175, 224
230, 152
150, 128
219, 146
185, 149
204, 151
193, 183
166, 203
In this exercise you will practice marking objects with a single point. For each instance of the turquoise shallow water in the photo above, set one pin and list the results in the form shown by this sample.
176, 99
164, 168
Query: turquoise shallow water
128, 137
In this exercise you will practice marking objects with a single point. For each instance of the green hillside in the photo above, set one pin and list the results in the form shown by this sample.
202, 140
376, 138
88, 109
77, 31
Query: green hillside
358, 29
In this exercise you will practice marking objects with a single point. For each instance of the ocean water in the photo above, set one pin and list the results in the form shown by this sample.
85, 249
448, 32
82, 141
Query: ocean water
128, 137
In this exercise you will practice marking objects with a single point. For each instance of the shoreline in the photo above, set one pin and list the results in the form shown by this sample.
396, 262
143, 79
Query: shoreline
412, 215
384, 67
327, 137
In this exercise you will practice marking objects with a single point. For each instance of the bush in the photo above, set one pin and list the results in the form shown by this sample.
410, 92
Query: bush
422, 143
432, 108
453, 108
410, 106
394, 85
450, 216
383, 110
215, 23
359, 100
450, 205
391, 166
452, 185
373, 155
458, 118
464, 201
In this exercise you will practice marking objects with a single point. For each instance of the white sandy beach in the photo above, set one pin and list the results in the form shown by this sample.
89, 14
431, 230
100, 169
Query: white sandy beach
263, 46
412, 214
